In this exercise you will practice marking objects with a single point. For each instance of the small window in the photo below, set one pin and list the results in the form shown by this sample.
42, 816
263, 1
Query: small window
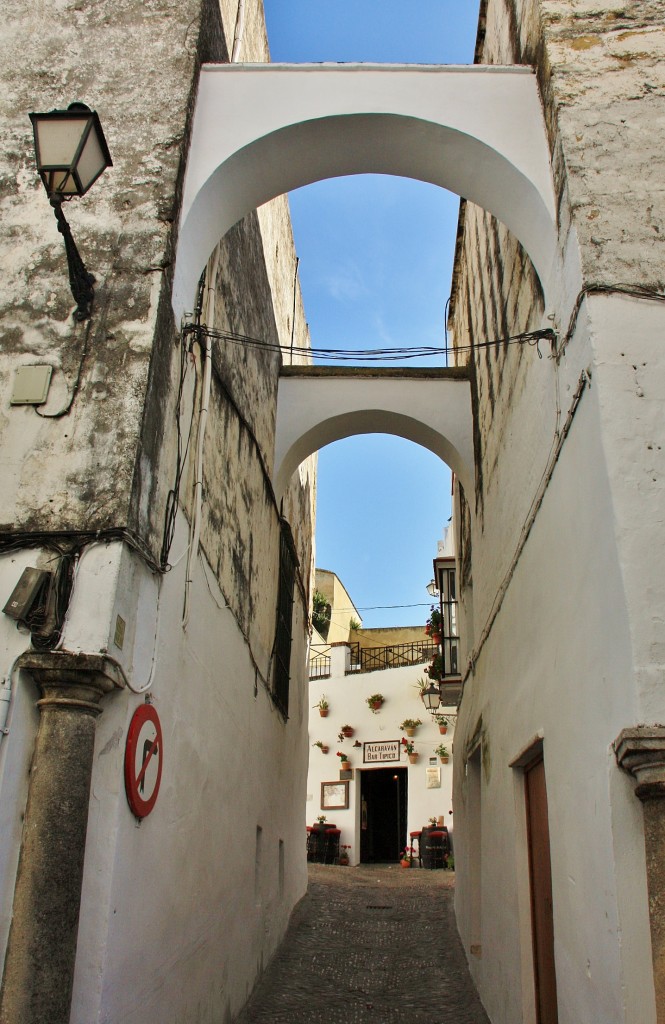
288, 564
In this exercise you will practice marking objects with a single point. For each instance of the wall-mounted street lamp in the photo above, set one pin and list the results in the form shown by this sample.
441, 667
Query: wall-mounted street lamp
71, 154
432, 697
432, 588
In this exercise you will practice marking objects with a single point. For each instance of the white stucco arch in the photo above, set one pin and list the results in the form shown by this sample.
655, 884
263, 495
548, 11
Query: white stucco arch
319, 405
261, 130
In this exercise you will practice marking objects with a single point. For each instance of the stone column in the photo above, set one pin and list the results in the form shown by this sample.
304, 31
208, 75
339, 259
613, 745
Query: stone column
641, 752
41, 950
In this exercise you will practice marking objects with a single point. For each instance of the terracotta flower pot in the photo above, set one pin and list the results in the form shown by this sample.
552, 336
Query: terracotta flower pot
323, 712
444, 760
376, 705
413, 758
348, 731
405, 863
410, 732
443, 729
324, 749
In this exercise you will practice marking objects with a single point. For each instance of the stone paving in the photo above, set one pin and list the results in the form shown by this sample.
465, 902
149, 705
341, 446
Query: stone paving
369, 945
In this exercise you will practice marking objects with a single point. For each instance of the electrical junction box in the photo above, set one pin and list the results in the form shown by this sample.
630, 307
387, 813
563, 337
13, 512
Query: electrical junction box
31, 384
27, 593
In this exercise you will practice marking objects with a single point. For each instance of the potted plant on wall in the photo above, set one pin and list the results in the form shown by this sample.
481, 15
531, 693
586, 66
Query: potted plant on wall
443, 722
322, 705
410, 750
435, 670
347, 731
443, 753
323, 747
375, 702
409, 726
433, 625
344, 762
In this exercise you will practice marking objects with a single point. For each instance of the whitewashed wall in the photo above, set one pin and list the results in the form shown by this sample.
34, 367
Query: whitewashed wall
347, 698
181, 911
574, 653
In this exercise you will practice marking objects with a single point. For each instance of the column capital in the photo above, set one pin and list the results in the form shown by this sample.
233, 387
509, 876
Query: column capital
73, 681
640, 751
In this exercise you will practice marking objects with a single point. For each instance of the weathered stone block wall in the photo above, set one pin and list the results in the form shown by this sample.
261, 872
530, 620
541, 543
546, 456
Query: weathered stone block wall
101, 455
565, 609
136, 64
601, 71
601, 80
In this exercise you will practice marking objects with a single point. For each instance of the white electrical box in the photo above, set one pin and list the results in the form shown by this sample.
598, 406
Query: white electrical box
31, 384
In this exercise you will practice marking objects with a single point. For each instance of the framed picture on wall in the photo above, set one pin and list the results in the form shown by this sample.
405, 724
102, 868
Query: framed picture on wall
334, 796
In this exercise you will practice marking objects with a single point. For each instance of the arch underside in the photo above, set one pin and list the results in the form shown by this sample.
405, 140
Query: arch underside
311, 414
242, 158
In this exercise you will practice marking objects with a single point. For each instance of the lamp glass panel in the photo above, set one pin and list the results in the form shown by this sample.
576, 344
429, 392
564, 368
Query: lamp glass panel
432, 698
58, 139
60, 181
92, 161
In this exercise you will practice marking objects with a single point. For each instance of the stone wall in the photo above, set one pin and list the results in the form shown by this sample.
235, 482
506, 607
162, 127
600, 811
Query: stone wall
560, 574
96, 469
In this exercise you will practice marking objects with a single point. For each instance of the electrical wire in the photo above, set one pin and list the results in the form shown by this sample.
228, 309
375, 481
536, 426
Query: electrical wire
633, 291
173, 496
373, 354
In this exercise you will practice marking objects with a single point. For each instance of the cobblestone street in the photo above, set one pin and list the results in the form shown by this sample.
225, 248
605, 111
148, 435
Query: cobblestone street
370, 945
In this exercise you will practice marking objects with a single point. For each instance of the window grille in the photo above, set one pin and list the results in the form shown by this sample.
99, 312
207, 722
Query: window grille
288, 563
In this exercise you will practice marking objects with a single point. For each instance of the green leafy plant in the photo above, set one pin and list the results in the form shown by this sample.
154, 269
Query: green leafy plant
342, 755
321, 613
323, 747
409, 747
442, 720
354, 624
433, 624
410, 723
435, 670
322, 703
375, 701
441, 750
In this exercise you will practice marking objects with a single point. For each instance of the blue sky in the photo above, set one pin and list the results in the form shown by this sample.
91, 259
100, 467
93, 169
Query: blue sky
375, 268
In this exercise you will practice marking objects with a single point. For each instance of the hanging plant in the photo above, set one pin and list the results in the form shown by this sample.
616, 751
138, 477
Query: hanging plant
375, 702
435, 670
433, 626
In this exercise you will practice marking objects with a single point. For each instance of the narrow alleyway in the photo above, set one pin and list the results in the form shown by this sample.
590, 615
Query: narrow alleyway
370, 945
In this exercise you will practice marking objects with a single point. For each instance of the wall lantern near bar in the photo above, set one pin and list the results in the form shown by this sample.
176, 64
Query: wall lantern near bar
71, 154
432, 697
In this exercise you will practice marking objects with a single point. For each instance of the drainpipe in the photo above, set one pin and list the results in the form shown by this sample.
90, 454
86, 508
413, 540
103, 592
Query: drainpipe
641, 753
41, 950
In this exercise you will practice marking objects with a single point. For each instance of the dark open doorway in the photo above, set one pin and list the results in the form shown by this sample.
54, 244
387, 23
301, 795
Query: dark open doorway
383, 793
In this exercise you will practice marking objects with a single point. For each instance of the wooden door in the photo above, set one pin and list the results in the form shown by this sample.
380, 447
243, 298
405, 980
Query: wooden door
541, 893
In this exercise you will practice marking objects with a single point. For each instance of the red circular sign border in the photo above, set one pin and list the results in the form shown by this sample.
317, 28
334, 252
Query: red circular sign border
138, 806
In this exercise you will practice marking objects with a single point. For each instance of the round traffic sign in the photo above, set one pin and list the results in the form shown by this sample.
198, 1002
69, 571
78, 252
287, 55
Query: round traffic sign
143, 760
